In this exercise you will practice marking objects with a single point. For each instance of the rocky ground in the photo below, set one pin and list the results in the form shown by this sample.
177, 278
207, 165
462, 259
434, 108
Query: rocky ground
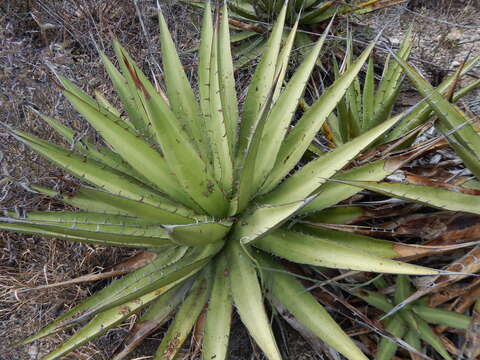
65, 34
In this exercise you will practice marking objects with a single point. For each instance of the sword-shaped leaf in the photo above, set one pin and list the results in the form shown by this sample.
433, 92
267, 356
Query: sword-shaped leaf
429, 336
368, 96
217, 323
226, 80
180, 93
116, 235
163, 260
218, 130
158, 313
421, 114
103, 322
297, 142
135, 114
185, 318
91, 171
448, 114
248, 299
261, 84
307, 249
284, 288
101, 154
204, 56
426, 195
135, 151
308, 179
278, 120
182, 157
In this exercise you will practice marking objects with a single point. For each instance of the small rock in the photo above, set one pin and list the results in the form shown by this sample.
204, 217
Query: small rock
454, 35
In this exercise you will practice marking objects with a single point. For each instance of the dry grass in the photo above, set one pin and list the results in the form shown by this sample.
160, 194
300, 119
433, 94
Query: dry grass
65, 34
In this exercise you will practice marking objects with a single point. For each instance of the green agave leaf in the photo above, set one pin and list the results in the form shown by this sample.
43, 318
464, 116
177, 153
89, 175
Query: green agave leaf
283, 60
101, 234
246, 166
80, 200
171, 266
391, 82
426, 195
180, 94
297, 142
69, 87
161, 261
450, 115
158, 313
156, 210
103, 322
103, 155
332, 193
422, 112
182, 157
337, 215
307, 249
204, 55
227, 81
199, 233
442, 317
344, 116
402, 291
368, 97
175, 272
260, 85
102, 100
135, 151
68, 218
248, 299
105, 178
469, 159
284, 288
377, 247
242, 35
185, 319
218, 129
307, 180
217, 323
353, 93
124, 90
282, 113
387, 348
34, 230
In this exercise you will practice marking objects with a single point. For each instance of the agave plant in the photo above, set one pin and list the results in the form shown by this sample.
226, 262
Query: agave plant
411, 322
212, 193
249, 18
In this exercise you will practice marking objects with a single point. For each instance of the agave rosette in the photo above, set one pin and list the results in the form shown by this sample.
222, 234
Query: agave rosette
210, 193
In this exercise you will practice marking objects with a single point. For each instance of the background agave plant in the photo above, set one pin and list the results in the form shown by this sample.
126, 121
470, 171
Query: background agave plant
211, 194
250, 17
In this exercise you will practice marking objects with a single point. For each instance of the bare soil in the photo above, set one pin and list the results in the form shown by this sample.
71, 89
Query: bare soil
65, 34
